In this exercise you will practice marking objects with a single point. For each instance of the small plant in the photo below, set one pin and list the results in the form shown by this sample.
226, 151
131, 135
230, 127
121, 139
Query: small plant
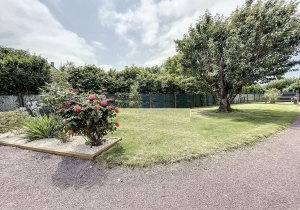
40, 127
271, 95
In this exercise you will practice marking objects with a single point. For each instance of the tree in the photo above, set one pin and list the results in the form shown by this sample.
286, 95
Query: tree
255, 44
87, 78
173, 65
21, 72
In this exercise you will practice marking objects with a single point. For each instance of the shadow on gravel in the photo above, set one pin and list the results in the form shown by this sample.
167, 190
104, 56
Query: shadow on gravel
77, 173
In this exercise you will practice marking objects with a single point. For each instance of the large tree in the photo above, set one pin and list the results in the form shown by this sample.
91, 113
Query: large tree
257, 43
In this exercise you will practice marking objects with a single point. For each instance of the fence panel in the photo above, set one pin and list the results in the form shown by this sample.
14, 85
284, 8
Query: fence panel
31, 98
9, 102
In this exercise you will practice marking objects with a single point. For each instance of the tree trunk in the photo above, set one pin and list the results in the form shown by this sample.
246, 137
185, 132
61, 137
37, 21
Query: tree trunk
224, 103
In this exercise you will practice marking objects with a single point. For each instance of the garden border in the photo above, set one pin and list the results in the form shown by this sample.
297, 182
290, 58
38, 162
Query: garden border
62, 152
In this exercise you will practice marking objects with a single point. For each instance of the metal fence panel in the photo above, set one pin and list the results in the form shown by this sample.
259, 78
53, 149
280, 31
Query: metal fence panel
9, 102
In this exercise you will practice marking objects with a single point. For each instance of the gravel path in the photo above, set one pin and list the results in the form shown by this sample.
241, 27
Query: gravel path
265, 176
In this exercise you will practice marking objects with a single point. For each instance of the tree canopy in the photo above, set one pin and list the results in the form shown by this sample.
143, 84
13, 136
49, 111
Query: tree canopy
21, 72
257, 43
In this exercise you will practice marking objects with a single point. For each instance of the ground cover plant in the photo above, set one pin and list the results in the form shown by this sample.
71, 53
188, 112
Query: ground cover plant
166, 135
13, 121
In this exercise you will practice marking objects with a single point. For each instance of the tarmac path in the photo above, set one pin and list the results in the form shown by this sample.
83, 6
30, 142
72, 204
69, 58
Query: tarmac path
263, 176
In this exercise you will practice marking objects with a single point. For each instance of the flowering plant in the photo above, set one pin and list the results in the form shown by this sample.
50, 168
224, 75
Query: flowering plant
87, 115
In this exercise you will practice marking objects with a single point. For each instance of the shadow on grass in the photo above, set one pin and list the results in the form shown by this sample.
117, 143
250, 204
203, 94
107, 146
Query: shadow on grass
116, 152
255, 116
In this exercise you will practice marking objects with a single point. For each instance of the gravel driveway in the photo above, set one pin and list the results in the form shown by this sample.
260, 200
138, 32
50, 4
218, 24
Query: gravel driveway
265, 176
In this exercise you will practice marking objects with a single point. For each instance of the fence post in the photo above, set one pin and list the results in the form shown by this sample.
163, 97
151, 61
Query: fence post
175, 101
21, 101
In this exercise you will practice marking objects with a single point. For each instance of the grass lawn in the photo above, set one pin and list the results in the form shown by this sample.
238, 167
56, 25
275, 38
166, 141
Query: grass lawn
165, 135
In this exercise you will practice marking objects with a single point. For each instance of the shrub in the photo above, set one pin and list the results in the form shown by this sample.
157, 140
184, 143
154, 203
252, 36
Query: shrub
293, 87
271, 95
40, 127
83, 114
281, 84
122, 100
135, 99
13, 121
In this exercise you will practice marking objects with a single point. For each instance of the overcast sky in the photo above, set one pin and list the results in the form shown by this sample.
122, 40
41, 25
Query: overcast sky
107, 33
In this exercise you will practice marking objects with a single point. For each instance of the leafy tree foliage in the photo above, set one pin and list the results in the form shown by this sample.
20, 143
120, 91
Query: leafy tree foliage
281, 84
147, 80
21, 72
173, 65
256, 43
253, 89
87, 78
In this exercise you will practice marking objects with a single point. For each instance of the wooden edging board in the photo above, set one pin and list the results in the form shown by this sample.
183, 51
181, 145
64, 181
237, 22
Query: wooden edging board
64, 153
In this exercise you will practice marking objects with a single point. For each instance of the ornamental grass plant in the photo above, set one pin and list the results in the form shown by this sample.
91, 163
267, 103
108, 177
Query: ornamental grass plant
40, 128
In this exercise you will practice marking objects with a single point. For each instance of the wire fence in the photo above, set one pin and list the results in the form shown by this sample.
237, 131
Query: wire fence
13, 102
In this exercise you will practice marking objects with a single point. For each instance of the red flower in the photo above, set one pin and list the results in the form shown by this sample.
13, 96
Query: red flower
77, 108
92, 97
103, 103
110, 99
110, 107
96, 107
68, 103
70, 131
63, 110
74, 89
117, 110
117, 124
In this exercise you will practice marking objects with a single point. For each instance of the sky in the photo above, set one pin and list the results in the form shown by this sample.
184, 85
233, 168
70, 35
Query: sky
106, 33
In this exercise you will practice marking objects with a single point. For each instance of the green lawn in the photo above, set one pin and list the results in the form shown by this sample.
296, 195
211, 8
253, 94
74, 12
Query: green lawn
166, 135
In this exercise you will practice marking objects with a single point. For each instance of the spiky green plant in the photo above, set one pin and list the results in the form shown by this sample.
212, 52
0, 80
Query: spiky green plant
40, 127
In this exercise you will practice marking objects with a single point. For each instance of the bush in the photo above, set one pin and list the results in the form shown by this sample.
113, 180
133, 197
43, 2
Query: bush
40, 127
281, 84
13, 121
271, 95
293, 87
83, 114
135, 99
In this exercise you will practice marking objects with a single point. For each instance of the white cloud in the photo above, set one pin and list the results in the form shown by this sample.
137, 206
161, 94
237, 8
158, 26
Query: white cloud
29, 25
99, 45
155, 25
106, 67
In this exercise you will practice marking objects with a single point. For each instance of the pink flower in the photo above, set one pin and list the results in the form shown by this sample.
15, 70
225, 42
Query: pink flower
92, 97
110, 99
77, 108
76, 99
68, 103
110, 107
96, 107
63, 110
74, 89
70, 131
86, 130
103, 103
117, 110
117, 124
